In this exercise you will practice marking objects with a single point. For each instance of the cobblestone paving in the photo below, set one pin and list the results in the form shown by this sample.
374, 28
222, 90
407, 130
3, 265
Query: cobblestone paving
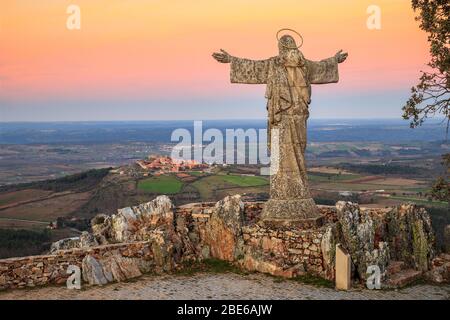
222, 286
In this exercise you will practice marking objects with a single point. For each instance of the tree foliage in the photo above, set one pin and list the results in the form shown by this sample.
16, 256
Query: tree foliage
17, 243
441, 188
432, 95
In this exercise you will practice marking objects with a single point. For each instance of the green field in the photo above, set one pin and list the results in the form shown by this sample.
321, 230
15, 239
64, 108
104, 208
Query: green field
206, 186
246, 181
165, 184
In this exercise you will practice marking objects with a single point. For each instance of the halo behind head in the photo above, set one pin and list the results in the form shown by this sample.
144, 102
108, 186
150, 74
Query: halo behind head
288, 46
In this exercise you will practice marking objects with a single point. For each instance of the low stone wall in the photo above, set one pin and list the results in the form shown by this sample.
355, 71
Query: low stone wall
285, 253
52, 269
157, 237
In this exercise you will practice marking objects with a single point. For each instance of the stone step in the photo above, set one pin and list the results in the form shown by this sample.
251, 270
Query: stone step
403, 278
395, 267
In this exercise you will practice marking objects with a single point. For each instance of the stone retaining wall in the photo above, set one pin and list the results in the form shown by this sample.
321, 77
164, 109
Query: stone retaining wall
52, 269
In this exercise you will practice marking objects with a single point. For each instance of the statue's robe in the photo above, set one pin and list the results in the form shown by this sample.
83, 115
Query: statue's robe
288, 96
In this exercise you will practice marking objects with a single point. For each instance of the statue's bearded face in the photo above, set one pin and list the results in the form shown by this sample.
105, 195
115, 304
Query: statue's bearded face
289, 52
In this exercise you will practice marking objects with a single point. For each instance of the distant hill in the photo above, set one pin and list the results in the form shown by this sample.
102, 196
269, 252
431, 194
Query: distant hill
83, 181
382, 130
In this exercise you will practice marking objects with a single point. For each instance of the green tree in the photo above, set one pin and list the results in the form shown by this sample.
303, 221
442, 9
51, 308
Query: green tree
432, 95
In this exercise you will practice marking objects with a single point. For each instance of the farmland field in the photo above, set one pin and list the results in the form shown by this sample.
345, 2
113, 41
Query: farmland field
165, 184
48, 209
23, 195
325, 177
7, 223
394, 181
207, 186
246, 181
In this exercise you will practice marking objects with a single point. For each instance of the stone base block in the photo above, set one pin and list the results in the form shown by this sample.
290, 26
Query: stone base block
301, 213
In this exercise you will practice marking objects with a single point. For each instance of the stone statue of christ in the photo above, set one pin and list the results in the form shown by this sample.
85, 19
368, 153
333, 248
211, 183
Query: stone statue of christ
288, 77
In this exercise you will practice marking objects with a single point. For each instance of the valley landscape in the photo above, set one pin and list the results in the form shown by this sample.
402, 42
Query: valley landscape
56, 187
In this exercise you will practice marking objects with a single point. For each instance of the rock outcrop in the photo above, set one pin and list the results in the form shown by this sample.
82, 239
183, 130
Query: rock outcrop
87, 240
358, 236
410, 236
224, 232
93, 272
112, 267
383, 237
152, 221
134, 223
65, 244
101, 228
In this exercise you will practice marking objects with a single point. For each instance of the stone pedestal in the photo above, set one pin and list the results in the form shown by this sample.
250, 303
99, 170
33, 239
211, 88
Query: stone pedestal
302, 213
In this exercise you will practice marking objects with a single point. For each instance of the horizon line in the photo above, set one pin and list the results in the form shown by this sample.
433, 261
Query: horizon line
214, 119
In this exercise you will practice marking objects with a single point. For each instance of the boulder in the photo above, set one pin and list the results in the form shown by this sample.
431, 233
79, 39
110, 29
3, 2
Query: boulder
112, 267
410, 236
87, 240
224, 229
134, 223
101, 226
121, 268
123, 225
65, 244
93, 273
358, 238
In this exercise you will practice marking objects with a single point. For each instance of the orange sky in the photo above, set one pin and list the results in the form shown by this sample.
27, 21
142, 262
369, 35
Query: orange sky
160, 49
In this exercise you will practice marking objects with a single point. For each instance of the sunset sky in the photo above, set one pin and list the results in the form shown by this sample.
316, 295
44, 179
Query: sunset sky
151, 59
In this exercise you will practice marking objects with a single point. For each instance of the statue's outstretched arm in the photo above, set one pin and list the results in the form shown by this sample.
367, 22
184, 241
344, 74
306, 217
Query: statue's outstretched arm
222, 57
341, 56
244, 70
326, 71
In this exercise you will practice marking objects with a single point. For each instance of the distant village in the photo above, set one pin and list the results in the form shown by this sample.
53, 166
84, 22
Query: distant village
158, 165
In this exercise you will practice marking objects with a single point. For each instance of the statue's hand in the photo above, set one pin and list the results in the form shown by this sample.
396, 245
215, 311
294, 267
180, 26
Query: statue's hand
341, 56
223, 57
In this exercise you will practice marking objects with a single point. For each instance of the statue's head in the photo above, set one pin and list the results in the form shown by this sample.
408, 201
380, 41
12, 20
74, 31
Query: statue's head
289, 51
286, 42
